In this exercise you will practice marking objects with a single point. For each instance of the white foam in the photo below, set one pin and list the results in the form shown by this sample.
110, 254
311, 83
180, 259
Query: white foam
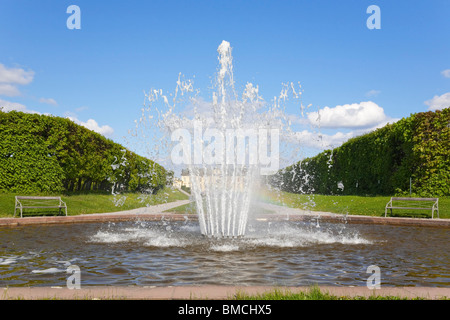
273, 242
127, 235
289, 236
190, 228
163, 241
147, 237
50, 270
327, 237
281, 236
225, 248
8, 261
107, 237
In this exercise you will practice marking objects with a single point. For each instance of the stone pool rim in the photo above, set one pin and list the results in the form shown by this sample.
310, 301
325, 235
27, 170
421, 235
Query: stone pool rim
133, 216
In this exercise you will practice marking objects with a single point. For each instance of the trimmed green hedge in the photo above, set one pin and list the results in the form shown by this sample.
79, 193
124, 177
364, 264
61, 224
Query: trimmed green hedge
40, 153
381, 162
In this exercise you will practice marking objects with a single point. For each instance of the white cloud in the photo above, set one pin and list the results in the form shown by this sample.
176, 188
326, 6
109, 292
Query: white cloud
48, 101
15, 75
372, 93
446, 73
439, 102
83, 108
9, 90
322, 141
357, 115
10, 78
91, 124
10, 106
7, 106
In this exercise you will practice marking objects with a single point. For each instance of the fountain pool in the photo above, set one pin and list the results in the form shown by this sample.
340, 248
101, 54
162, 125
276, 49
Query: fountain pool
278, 253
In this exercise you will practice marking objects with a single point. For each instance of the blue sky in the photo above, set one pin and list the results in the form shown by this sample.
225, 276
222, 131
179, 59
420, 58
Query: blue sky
97, 75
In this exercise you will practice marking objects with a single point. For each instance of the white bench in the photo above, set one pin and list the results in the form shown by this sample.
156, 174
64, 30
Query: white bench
413, 204
27, 202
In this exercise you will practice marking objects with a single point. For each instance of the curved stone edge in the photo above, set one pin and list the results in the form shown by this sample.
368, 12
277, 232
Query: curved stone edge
321, 217
325, 217
207, 292
17, 222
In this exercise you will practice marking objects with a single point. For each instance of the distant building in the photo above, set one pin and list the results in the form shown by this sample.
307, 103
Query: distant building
177, 183
211, 176
185, 178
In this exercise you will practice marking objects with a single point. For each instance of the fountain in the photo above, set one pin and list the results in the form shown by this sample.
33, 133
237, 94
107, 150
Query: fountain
226, 147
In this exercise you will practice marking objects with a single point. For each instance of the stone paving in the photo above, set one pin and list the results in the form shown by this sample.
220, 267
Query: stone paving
205, 292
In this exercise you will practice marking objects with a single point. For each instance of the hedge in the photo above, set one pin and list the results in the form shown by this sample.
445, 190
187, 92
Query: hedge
383, 162
45, 154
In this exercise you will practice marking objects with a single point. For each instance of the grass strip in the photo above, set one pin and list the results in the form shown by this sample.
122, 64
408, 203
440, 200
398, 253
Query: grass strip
86, 203
353, 205
312, 293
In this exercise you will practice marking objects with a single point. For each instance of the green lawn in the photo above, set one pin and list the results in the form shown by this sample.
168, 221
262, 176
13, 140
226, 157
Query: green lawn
313, 293
353, 205
189, 208
95, 202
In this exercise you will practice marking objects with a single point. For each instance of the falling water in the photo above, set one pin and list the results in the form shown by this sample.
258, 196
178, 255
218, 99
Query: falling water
227, 145
222, 190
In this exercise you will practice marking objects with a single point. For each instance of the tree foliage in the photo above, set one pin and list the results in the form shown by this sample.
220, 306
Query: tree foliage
40, 153
382, 162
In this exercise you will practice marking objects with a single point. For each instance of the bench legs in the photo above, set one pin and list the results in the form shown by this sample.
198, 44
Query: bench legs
432, 213
385, 211
15, 209
21, 211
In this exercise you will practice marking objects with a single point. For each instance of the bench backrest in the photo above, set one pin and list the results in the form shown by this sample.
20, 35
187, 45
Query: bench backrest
414, 199
37, 198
